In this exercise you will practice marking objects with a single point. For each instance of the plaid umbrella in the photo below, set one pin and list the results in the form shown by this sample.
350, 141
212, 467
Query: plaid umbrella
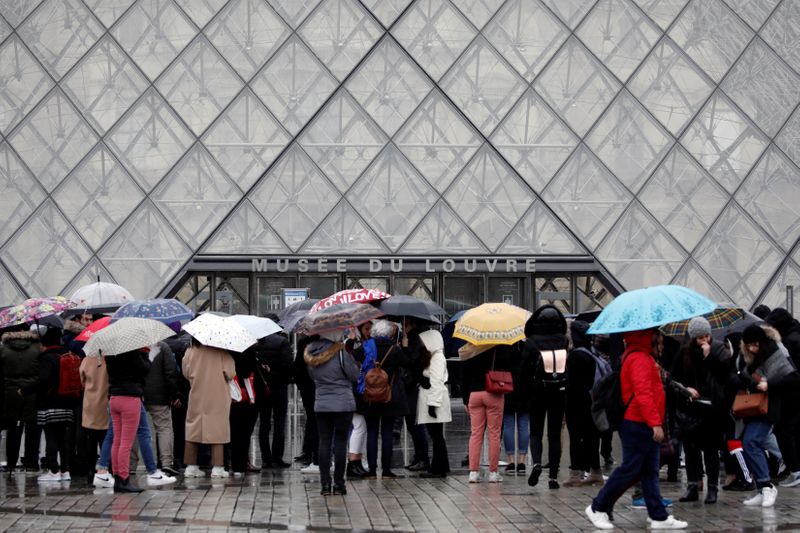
222, 332
492, 323
125, 335
165, 310
33, 310
719, 318
337, 318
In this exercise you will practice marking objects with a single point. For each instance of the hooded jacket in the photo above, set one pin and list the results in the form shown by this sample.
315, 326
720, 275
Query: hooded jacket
274, 351
546, 329
707, 375
334, 372
46, 386
437, 396
789, 329
19, 355
161, 383
580, 373
640, 381
73, 328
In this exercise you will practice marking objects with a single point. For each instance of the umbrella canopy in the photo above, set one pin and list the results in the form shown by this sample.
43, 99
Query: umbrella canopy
89, 331
337, 318
222, 332
125, 335
403, 306
302, 305
258, 327
650, 308
492, 323
468, 351
165, 310
100, 297
33, 310
350, 296
723, 320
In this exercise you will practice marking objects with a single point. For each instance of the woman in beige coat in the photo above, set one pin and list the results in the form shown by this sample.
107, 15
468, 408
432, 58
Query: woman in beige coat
207, 418
94, 418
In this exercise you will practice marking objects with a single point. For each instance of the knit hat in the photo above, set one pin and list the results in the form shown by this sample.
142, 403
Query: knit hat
754, 333
699, 327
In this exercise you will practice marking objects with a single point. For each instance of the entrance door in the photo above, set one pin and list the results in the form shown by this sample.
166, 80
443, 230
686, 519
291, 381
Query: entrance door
462, 293
268, 292
422, 288
377, 283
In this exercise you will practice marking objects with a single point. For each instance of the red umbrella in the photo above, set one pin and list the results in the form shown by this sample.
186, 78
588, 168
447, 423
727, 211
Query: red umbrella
93, 328
350, 296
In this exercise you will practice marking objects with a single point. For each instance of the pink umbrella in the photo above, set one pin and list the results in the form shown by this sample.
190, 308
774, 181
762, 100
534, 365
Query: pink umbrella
350, 296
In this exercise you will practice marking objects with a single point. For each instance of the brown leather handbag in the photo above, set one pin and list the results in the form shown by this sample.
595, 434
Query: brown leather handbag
750, 405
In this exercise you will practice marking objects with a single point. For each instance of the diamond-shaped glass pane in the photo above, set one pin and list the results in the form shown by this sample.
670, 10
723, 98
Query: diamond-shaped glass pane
663, 12
52, 139
93, 271
15, 11
670, 87
754, 12
629, 141
712, 35
342, 232
340, 32
527, 35
392, 196
489, 197
196, 196
153, 32
294, 11
343, 140
149, 139
59, 33
386, 11
775, 295
435, 33
145, 252
201, 11
737, 255
97, 196
763, 86
683, 198
442, 232
639, 252
782, 31
199, 85
724, 141
570, 11
108, 11
5, 29
104, 84
10, 294
577, 86
789, 138
294, 197
534, 140
245, 232
45, 253
389, 86
619, 34
246, 139
771, 194
540, 232
21, 192
478, 11
22, 83
438, 141
247, 33
293, 85
586, 196
693, 277
483, 86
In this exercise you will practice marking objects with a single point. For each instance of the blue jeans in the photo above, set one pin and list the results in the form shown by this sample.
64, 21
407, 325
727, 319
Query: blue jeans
640, 460
142, 436
520, 422
754, 441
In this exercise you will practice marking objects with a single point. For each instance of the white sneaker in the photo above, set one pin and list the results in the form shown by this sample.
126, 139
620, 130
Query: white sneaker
158, 478
769, 495
219, 472
49, 477
65, 476
669, 523
103, 481
755, 501
238, 475
598, 519
792, 481
310, 469
494, 477
193, 471
474, 477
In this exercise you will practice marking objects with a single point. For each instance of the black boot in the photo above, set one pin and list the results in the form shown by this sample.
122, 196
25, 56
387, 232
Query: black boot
691, 494
353, 470
117, 484
339, 490
711, 494
126, 485
536, 471
326, 489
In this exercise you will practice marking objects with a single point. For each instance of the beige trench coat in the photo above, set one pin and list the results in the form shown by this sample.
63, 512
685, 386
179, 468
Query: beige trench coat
94, 378
209, 399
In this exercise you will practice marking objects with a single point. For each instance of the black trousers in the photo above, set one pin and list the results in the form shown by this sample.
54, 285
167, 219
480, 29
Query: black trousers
243, 420
333, 427
606, 444
584, 441
272, 410
440, 464
702, 447
14, 430
418, 436
383, 425
787, 431
179, 433
310, 433
549, 403
58, 441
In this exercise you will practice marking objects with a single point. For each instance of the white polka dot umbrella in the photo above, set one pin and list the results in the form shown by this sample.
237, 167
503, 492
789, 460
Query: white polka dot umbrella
222, 332
125, 335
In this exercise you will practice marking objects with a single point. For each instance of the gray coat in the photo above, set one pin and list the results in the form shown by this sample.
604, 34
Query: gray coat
334, 372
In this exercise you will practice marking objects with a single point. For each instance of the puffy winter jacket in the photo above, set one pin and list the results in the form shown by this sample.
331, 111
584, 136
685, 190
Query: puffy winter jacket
641, 382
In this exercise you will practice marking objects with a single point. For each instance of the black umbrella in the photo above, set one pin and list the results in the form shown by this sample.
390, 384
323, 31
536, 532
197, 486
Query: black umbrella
410, 306
302, 305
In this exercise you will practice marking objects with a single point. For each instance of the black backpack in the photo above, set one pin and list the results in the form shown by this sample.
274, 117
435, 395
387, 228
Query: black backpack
608, 408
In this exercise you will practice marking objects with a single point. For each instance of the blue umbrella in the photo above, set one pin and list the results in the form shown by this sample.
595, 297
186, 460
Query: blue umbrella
649, 308
165, 310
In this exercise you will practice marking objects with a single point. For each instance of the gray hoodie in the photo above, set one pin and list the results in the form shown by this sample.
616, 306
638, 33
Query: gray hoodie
334, 372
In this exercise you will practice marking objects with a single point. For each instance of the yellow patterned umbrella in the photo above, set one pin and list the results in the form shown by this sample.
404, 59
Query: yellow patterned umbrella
492, 323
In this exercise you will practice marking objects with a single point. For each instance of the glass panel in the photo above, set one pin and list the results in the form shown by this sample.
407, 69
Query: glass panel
232, 294
663, 12
97, 196
789, 138
586, 197
489, 197
553, 289
52, 139
294, 11
380, 284
781, 32
294, 197
392, 196
319, 286
478, 11
712, 35
670, 87
199, 85
15, 11
153, 32
435, 33
340, 32
201, 11
577, 86
639, 252
108, 11
245, 232
245, 139
442, 232
683, 198
483, 86
539, 232
422, 288
21, 192
196, 186
389, 86
527, 35
386, 10
196, 293
763, 86
93, 271
692, 276
771, 194
592, 294
59, 33
269, 293
461, 293
22, 83
45, 253
344, 231
5, 29
776, 292
754, 12
293, 84
246, 33
570, 11
629, 141
343, 140
507, 290
724, 141
438, 141
105, 84
149, 139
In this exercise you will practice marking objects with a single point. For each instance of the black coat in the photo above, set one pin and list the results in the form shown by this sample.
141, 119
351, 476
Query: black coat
178, 344
161, 384
789, 329
473, 370
396, 363
127, 373
709, 375
274, 357
580, 380
46, 386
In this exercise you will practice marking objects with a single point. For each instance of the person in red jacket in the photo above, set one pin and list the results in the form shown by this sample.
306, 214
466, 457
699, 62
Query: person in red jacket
641, 432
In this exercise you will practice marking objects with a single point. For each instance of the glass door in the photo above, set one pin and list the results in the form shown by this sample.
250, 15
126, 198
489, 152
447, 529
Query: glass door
269, 292
507, 290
